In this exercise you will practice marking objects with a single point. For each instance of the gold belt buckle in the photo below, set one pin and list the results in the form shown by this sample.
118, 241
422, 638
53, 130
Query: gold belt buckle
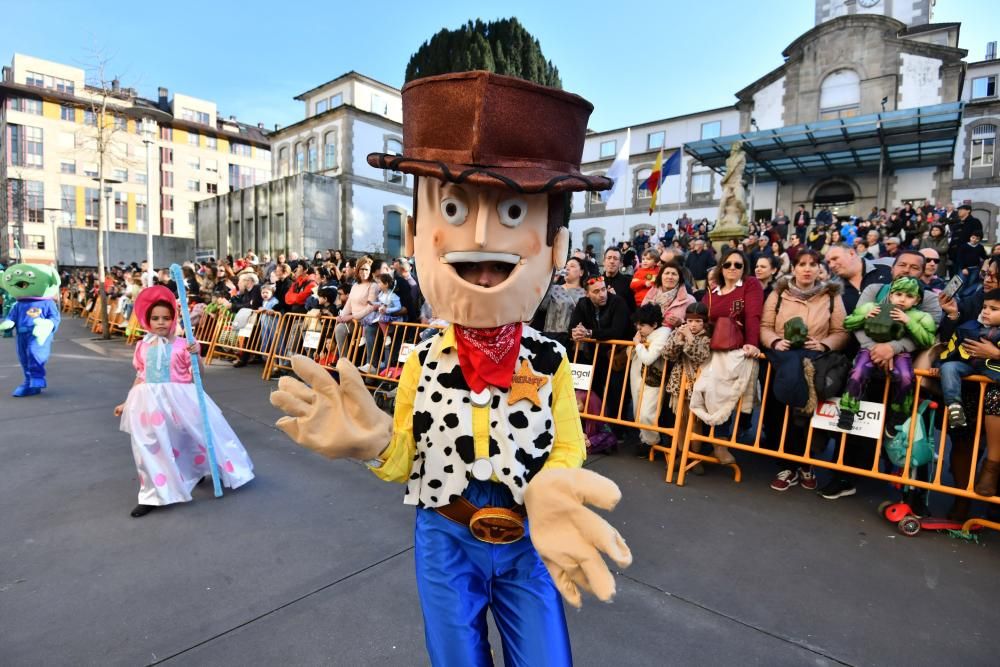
496, 525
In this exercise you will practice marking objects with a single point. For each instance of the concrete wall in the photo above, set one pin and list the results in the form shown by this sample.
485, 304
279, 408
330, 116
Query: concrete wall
298, 213
920, 84
78, 247
768, 105
913, 184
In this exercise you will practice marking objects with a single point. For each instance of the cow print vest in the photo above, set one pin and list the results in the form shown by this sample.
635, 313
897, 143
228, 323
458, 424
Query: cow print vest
521, 435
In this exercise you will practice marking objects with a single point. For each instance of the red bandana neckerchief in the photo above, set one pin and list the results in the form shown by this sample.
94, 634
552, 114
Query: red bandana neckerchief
488, 356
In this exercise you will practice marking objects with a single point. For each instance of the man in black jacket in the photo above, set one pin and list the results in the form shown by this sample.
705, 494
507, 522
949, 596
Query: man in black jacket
603, 316
698, 262
960, 230
616, 281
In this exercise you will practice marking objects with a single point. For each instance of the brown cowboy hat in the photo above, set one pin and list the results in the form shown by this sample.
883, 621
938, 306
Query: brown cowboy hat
500, 131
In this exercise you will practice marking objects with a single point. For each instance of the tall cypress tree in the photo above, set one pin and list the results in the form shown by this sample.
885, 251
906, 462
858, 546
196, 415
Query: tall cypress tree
502, 46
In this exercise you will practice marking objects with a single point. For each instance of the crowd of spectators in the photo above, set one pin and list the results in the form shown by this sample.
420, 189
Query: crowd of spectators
795, 292
807, 294
329, 285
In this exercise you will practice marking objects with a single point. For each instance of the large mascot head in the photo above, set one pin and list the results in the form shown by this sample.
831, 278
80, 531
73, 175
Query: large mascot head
496, 160
30, 281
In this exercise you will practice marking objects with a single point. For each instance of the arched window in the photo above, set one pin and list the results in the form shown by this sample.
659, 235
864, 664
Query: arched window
840, 95
594, 197
394, 147
982, 150
594, 238
330, 150
300, 158
283, 161
313, 155
393, 233
640, 178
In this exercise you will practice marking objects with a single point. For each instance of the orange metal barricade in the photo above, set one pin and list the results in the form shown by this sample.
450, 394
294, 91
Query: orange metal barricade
300, 334
620, 348
257, 337
391, 350
906, 476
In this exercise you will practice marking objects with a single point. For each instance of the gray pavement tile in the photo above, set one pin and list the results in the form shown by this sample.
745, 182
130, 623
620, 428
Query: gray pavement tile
311, 563
374, 618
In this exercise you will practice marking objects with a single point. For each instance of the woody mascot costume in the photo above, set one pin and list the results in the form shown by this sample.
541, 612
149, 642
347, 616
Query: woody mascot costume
486, 434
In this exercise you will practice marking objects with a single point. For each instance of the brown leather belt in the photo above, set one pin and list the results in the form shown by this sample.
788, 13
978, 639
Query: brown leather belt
495, 525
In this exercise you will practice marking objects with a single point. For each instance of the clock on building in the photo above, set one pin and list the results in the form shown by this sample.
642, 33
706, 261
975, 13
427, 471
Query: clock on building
868, 4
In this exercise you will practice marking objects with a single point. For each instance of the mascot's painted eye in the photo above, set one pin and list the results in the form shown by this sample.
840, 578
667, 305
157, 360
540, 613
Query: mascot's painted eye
512, 211
454, 210
30, 274
18, 272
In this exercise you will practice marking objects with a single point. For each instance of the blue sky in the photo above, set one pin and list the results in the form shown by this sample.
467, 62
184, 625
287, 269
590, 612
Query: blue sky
636, 61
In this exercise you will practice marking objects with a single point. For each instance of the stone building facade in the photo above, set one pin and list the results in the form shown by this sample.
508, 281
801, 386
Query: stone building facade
325, 195
845, 68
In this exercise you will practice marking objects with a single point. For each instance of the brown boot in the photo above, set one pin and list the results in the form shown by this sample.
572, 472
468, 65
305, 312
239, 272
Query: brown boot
722, 453
989, 475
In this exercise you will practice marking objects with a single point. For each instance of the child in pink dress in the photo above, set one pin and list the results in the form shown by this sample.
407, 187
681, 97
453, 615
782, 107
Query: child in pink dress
161, 414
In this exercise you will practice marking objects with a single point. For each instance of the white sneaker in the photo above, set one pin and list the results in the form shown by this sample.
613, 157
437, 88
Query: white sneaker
388, 341
367, 368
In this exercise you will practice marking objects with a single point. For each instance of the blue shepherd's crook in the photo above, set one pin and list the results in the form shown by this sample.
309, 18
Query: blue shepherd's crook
175, 272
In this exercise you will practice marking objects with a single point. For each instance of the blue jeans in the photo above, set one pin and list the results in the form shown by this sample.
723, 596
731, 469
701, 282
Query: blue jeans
459, 577
952, 373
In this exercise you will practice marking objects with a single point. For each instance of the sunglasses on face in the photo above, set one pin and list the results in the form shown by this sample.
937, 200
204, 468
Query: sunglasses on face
592, 281
936, 260
733, 265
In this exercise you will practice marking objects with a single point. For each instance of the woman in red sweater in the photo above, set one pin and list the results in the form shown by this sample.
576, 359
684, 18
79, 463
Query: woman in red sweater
738, 295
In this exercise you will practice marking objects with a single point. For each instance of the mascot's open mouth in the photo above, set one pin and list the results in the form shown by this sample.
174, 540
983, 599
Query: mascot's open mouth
22, 284
486, 269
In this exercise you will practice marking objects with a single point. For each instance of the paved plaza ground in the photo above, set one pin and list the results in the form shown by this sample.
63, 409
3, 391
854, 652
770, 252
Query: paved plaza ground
312, 563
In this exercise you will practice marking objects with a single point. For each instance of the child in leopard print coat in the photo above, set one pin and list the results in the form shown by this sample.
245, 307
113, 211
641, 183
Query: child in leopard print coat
688, 349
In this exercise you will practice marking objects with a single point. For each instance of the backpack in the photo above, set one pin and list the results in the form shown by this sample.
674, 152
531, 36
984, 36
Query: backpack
831, 372
924, 436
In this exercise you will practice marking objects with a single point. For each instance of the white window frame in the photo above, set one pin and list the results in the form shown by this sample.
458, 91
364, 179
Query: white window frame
987, 81
613, 143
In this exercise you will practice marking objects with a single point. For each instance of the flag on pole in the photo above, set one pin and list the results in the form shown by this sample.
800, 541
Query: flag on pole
619, 173
653, 182
659, 175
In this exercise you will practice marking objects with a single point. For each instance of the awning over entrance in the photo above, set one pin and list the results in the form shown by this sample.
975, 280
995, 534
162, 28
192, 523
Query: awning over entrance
920, 137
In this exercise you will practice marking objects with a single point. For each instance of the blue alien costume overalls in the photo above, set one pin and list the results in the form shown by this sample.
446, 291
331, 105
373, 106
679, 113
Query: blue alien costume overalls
30, 352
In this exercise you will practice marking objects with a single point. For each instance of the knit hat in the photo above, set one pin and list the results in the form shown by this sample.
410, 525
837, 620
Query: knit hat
909, 286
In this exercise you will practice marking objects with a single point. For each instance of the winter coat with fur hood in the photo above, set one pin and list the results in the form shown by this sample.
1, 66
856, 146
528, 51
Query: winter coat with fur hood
825, 323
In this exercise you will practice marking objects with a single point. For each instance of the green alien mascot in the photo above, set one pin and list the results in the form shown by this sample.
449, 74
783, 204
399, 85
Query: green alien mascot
35, 317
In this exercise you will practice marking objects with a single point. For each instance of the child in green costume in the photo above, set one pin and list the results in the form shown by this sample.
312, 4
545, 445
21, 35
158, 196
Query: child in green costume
892, 319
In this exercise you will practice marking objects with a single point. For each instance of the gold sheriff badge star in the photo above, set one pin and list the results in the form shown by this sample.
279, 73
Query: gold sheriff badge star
526, 384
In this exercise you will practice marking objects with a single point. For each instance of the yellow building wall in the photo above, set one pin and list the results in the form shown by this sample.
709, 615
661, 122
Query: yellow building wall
131, 126
223, 145
201, 140
81, 204
131, 212
50, 110
79, 116
180, 136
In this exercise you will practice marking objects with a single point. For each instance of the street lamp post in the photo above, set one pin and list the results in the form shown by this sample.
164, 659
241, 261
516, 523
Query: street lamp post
753, 187
881, 156
55, 241
107, 183
107, 227
147, 138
